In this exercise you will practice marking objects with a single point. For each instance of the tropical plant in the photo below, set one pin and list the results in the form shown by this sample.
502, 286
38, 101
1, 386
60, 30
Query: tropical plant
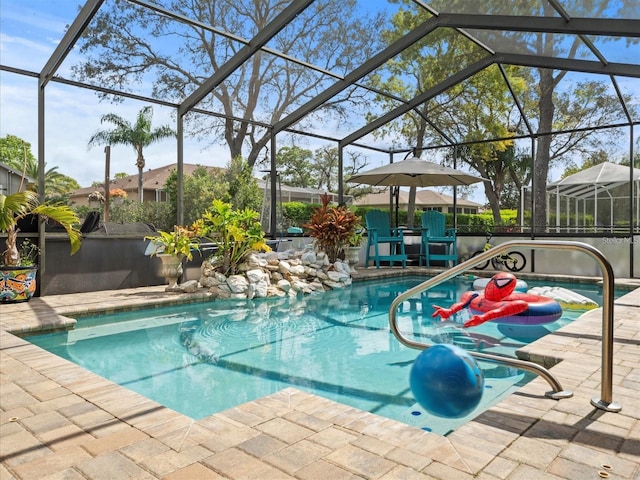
17, 206
332, 227
138, 136
160, 215
180, 241
236, 233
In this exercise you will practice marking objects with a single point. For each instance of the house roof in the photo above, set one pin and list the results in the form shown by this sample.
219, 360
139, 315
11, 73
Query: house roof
302, 194
16, 173
152, 179
155, 179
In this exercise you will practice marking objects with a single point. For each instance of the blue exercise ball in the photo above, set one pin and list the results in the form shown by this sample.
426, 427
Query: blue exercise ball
446, 381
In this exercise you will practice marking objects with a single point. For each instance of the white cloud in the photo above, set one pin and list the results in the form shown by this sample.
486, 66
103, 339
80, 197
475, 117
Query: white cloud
31, 29
72, 115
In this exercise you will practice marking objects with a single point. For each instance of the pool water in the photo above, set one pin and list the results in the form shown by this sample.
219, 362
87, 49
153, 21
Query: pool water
206, 357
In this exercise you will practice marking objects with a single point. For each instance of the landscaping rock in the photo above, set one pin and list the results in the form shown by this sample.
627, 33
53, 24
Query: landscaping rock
281, 274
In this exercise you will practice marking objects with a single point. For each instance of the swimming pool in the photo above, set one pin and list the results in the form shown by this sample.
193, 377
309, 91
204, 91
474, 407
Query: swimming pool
204, 358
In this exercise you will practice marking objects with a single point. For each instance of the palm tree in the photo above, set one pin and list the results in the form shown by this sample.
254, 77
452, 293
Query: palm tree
16, 153
56, 185
138, 136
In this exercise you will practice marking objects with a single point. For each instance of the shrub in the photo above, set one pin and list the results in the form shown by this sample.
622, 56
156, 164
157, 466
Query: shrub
297, 213
236, 234
332, 227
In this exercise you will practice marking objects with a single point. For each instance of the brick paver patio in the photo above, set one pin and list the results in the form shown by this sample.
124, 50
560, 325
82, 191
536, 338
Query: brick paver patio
58, 421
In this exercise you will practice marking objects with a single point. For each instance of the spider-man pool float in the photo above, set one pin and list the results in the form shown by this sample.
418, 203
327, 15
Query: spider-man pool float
499, 302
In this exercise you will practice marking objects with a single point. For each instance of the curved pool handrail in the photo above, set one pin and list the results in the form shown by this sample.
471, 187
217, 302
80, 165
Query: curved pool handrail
605, 402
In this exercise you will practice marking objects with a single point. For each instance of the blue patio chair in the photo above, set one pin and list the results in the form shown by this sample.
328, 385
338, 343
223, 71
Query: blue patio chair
435, 232
380, 232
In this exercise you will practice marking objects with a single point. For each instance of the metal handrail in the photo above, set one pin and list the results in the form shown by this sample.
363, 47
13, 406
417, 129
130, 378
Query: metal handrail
605, 402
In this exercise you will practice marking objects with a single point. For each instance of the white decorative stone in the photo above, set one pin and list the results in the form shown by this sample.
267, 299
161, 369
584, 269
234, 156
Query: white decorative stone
337, 276
237, 283
190, 286
255, 275
274, 291
253, 261
297, 270
284, 285
298, 286
262, 288
275, 274
284, 268
217, 292
292, 293
207, 282
332, 285
317, 285
272, 259
310, 272
308, 257
341, 266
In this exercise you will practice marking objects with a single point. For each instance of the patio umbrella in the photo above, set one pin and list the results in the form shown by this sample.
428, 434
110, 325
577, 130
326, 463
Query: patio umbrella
414, 172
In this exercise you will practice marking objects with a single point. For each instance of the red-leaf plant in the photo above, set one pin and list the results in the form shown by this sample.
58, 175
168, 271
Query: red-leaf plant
331, 227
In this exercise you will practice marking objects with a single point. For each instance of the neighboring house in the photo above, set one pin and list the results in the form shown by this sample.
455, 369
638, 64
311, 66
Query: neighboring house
286, 193
153, 182
425, 200
10, 180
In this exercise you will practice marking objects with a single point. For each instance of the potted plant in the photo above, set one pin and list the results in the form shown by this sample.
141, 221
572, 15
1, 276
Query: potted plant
331, 227
18, 266
96, 199
171, 248
117, 195
352, 254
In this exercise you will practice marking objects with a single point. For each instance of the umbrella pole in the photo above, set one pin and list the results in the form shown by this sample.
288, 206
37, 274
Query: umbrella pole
396, 194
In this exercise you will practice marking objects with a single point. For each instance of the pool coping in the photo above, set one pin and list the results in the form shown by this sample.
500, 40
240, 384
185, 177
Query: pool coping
272, 437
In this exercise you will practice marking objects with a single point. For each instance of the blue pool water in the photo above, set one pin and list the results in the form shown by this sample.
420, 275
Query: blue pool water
204, 358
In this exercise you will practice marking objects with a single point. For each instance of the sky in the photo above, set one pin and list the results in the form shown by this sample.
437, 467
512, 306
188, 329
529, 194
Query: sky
29, 32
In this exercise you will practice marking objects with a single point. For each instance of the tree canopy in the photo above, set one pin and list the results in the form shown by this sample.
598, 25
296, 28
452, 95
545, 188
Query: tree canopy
185, 55
484, 106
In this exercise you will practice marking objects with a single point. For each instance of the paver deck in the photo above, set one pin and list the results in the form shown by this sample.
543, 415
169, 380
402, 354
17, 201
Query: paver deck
59, 421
